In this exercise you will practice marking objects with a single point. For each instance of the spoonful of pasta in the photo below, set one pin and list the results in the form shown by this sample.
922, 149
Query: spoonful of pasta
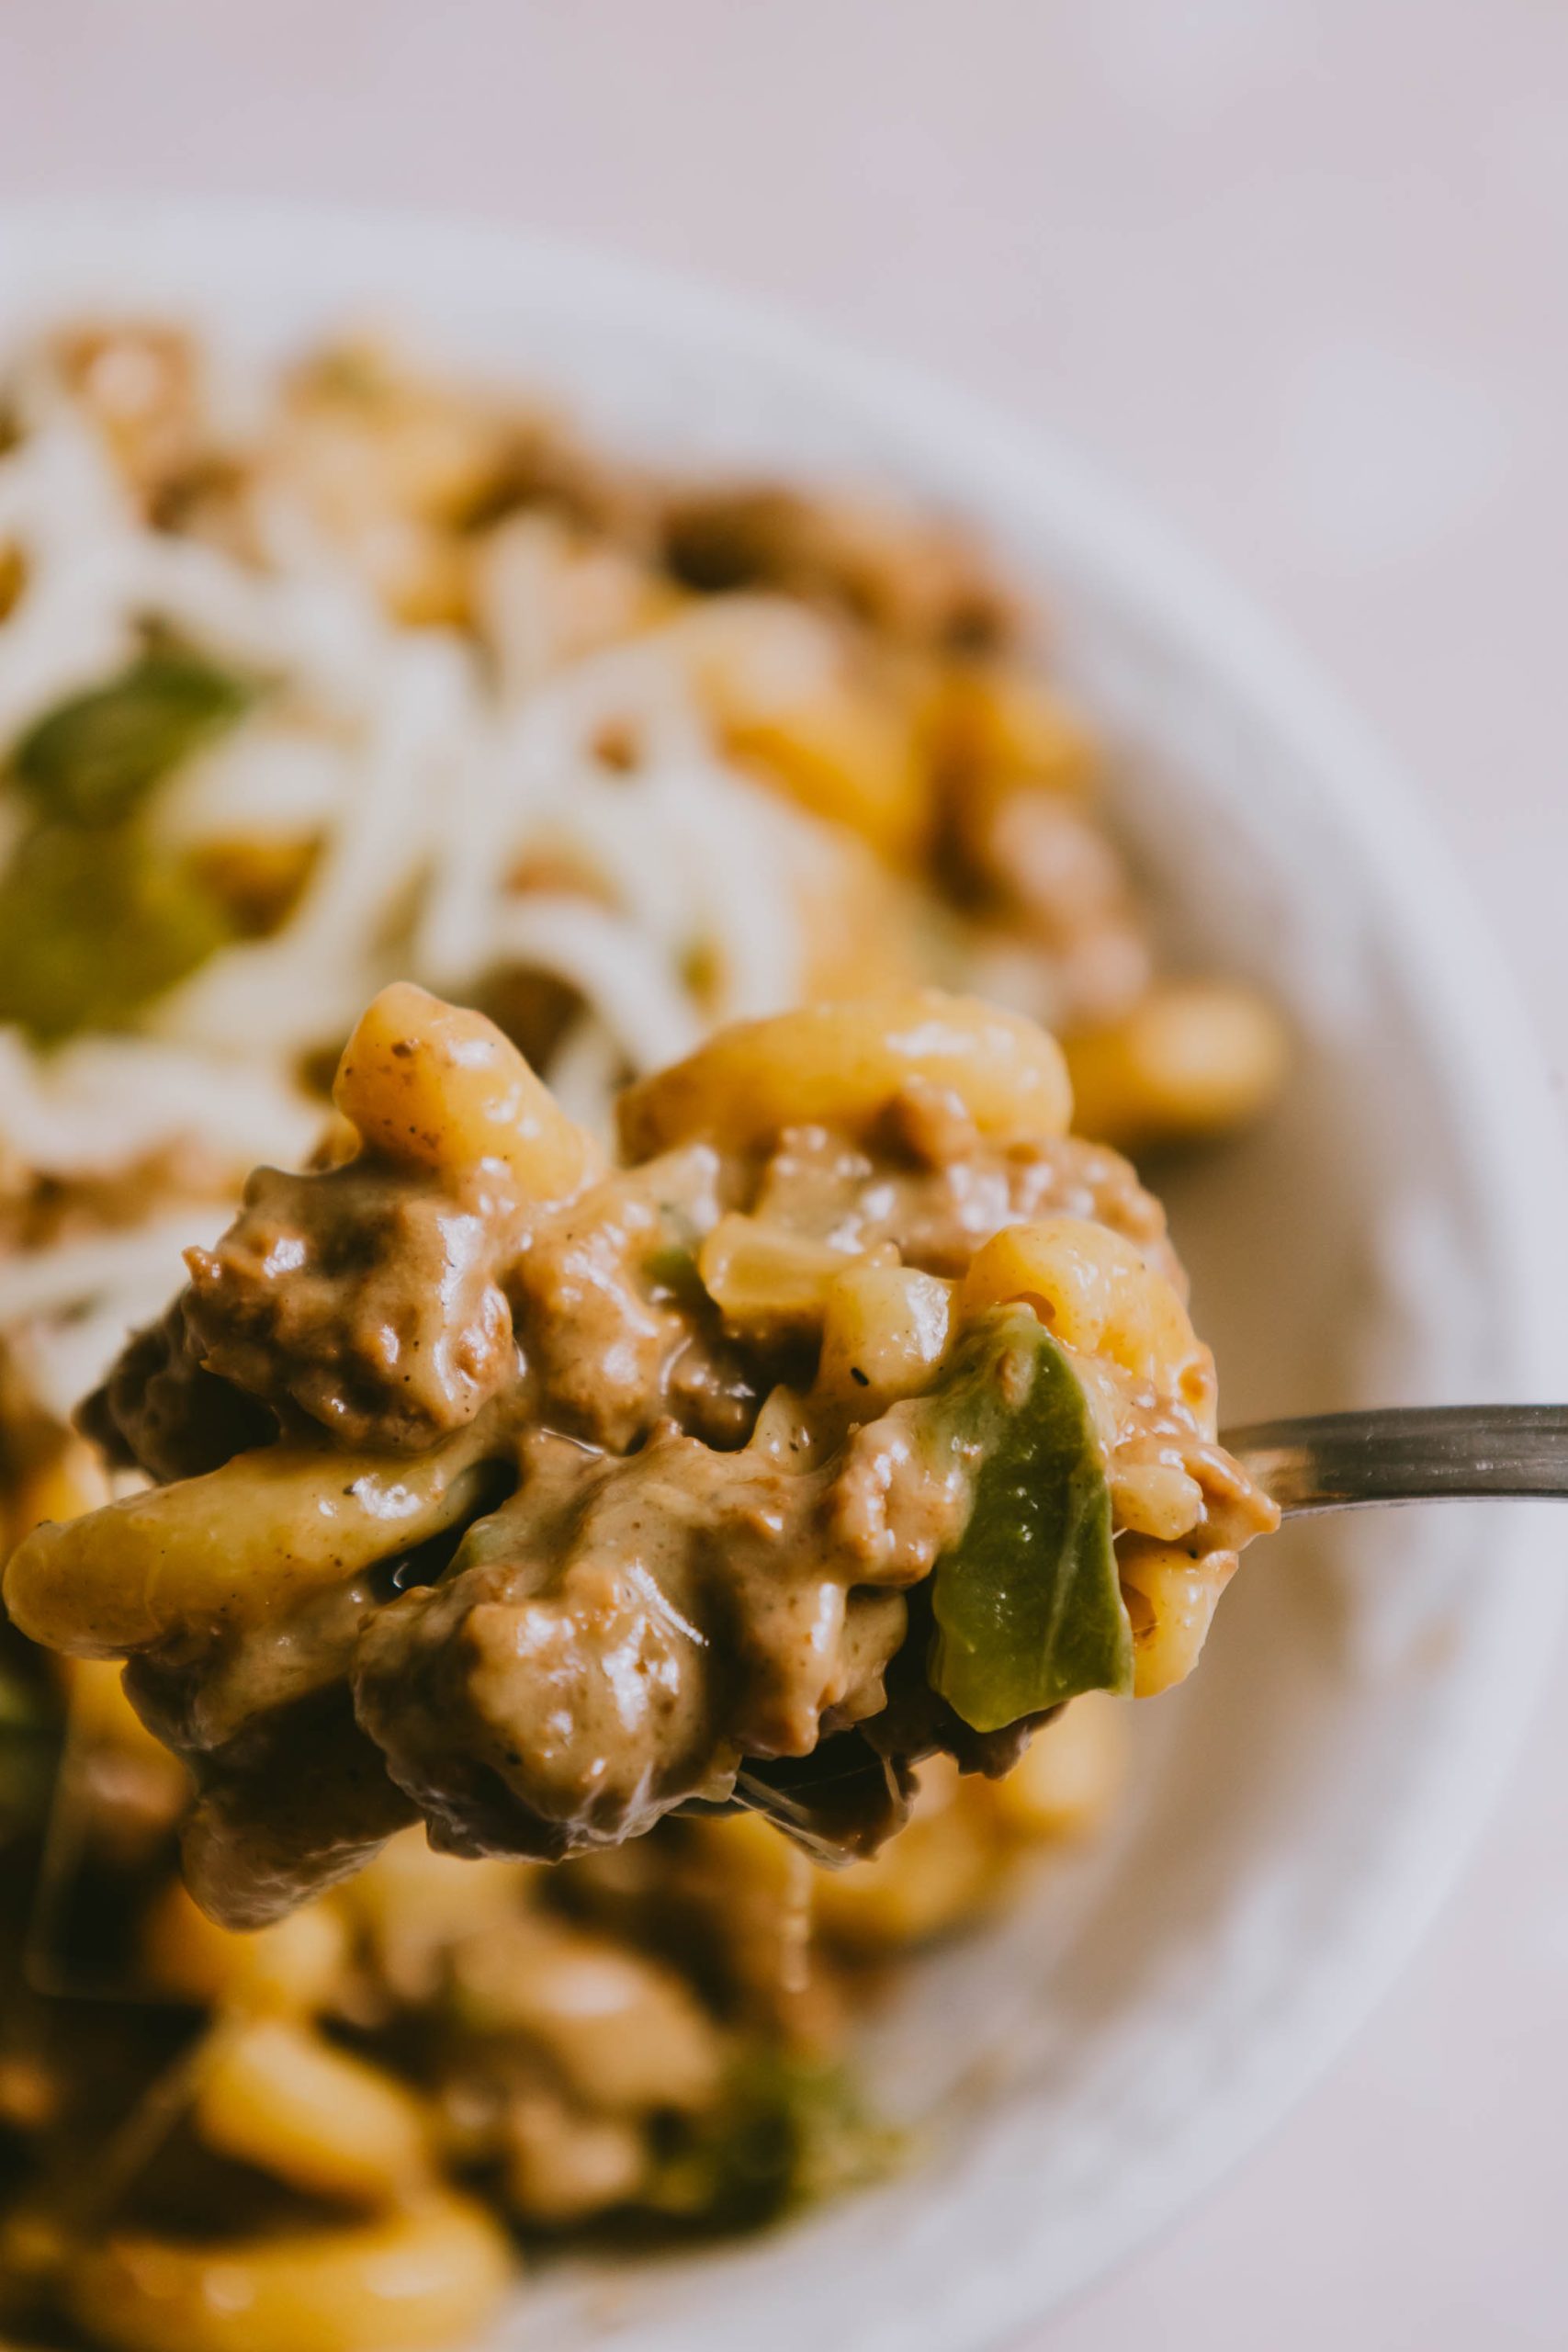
853, 1414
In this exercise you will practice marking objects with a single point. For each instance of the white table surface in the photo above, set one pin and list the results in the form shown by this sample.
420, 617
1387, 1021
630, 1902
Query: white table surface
1295, 270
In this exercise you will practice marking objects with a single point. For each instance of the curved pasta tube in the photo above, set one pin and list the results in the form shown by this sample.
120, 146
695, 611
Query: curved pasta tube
841, 735
1097, 1294
1067, 1778
995, 727
246, 1543
289, 1968
1157, 1498
277, 2095
434, 1085
1191, 1058
1171, 1599
428, 2275
956, 1857
940, 1872
848, 753
625, 2033
841, 1066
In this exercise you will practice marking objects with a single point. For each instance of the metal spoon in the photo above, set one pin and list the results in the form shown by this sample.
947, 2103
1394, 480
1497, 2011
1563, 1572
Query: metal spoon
1412, 1454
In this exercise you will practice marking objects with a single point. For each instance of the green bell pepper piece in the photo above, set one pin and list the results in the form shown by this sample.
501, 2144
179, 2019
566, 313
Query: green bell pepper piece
1028, 1606
94, 758
786, 2132
97, 918
95, 921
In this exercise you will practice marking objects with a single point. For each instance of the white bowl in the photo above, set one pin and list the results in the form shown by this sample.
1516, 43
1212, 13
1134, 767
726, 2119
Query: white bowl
1396, 1233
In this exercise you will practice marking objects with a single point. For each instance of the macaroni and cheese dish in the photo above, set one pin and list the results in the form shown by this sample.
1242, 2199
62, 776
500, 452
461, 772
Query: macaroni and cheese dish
326, 679
541, 1500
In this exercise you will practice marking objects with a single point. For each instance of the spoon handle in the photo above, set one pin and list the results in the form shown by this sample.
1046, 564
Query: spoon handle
1412, 1454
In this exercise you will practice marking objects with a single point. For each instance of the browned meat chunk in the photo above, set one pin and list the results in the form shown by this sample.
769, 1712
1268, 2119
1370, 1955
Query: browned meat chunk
160, 1411
913, 580
651, 1619
360, 1296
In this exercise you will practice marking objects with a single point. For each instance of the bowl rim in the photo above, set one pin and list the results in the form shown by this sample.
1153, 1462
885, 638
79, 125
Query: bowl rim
1492, 1069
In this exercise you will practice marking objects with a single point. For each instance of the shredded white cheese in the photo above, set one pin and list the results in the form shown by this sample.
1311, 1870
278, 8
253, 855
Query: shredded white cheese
435, 787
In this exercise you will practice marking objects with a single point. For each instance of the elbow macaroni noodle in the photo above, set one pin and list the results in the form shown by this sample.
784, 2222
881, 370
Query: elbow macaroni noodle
427, 2274
434, 1086
841, 1066
1096, 1293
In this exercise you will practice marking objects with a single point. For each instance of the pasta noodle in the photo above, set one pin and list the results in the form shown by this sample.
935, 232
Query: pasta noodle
429, 2274
840, 1067
276, 2095
1097, 1294
430, 1087
227, 1549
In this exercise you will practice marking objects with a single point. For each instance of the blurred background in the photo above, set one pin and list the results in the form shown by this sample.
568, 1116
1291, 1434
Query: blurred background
1293, 271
